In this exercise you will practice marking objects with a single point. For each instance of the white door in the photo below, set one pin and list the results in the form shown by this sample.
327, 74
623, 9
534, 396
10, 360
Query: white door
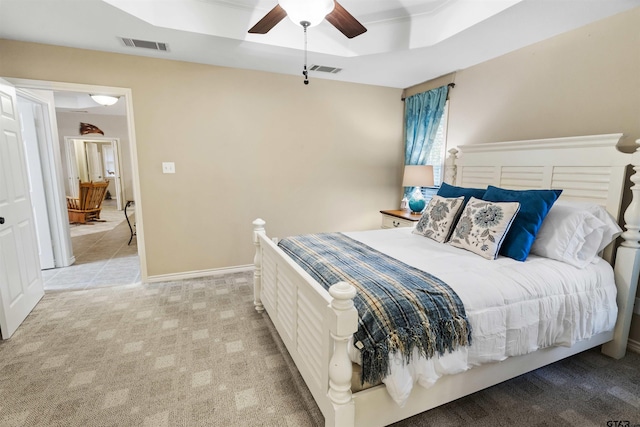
117, 183
30, 117
73, 174
94, 162
20, 278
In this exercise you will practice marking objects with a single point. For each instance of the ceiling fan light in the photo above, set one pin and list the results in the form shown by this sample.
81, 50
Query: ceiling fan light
312, 11
105, 100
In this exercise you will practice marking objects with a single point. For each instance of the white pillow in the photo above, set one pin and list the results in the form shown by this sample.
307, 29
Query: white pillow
439, 217
612, 230
483, 225
575, 232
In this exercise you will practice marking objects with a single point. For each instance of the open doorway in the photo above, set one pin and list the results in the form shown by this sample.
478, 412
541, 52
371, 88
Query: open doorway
54, 167
91, 158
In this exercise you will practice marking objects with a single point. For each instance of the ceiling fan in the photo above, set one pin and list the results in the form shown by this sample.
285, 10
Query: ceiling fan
308, 13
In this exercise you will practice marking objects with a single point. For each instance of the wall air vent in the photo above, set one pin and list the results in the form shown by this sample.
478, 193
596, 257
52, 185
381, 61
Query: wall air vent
145, 44
325, 69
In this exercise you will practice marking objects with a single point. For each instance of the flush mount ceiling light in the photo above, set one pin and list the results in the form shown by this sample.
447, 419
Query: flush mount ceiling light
105, 100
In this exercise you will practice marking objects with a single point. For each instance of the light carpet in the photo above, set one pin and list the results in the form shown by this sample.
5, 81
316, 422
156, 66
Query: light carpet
187, 353
195, 353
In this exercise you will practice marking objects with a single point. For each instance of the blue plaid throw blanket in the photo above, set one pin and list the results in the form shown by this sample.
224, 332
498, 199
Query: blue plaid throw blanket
400, 308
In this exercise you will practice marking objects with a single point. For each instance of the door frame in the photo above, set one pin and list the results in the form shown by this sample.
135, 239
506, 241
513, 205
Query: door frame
127, 97
33, 115
54, 191
117, 179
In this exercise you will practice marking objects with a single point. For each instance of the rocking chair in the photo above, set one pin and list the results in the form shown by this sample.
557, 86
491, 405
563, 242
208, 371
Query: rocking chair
89, 203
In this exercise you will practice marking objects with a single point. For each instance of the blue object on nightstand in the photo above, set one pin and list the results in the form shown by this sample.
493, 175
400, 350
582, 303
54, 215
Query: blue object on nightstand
417, 204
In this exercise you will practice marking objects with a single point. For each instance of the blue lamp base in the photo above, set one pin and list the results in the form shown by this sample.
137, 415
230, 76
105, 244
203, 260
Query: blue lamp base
417, 204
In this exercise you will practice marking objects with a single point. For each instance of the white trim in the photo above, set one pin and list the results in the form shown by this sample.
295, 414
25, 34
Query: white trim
200, 273
633, 345
135, 176
571, 142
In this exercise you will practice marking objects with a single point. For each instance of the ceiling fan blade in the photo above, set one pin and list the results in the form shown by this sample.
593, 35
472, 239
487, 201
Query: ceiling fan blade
345, 22
269, 21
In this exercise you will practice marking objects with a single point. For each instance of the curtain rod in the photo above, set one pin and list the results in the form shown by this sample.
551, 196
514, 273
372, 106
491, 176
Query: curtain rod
451, 85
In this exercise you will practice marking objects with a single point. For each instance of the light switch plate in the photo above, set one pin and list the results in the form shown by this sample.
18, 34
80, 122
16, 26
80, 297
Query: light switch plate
168, 167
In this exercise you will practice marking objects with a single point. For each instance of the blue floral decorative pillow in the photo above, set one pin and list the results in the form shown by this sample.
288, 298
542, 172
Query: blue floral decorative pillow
439, 217
483, 226
534, 206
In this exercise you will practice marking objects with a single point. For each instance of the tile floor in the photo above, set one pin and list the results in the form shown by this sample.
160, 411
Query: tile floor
102, 259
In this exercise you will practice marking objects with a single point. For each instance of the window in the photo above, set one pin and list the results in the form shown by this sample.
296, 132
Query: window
437, 155
109, 161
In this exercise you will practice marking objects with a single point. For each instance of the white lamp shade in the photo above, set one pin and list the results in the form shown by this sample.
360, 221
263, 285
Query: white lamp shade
418, 176
105, 100
312, 11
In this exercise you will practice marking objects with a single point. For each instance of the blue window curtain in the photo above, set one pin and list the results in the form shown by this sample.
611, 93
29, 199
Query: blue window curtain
423, 112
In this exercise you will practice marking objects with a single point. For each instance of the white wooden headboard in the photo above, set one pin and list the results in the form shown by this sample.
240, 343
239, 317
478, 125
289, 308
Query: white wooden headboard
587, 168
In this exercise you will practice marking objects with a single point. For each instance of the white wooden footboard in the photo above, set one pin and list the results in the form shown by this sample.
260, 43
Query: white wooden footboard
314, 325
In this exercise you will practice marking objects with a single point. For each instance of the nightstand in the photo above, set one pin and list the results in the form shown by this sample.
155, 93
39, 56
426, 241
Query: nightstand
397, 218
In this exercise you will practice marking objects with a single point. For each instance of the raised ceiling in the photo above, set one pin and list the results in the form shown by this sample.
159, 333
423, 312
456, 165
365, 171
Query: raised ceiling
407, 42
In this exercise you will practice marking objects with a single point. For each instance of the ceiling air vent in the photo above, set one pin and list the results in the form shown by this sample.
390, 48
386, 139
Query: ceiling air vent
145, 44
325, 69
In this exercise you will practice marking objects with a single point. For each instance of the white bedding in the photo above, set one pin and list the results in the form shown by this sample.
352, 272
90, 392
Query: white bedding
514, 307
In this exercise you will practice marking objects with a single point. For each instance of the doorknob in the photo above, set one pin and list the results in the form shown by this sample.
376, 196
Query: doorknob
1, 220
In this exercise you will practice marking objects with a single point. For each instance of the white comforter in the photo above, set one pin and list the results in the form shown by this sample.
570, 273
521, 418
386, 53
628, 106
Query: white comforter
514, 307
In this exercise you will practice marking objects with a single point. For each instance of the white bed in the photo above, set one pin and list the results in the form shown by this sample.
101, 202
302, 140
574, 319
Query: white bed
316, 325
514, 308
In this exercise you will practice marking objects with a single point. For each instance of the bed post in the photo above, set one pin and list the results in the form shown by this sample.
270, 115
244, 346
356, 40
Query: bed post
258, 228
627, 267
450, 168
343, 318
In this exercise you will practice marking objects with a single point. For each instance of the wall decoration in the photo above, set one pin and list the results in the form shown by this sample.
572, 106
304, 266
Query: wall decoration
86, 128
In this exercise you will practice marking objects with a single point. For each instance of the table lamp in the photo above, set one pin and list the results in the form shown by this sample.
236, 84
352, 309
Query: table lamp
417, 176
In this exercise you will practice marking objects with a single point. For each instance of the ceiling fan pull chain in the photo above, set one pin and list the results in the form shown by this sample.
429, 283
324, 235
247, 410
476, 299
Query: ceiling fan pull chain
305, 73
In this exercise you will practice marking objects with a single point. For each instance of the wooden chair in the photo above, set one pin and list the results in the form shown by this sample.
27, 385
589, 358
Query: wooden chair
89, 203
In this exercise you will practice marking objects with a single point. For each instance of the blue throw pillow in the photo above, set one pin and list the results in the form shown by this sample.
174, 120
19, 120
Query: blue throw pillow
451, 191
534, 206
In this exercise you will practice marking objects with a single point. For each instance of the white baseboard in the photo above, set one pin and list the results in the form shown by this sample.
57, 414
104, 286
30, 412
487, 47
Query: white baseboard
199, 273
67, 262
633, 345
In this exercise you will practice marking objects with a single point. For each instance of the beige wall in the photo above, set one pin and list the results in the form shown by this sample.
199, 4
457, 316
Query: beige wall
583, 82
246, 144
